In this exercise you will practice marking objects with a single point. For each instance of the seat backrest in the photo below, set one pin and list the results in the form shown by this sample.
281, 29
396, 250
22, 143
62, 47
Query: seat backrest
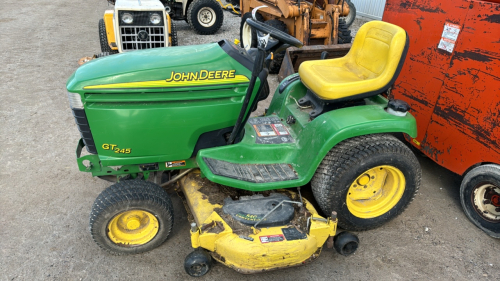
378, 51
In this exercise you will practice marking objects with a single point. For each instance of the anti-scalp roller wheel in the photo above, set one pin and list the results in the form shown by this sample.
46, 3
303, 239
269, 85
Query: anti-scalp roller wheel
346, 243
198, 263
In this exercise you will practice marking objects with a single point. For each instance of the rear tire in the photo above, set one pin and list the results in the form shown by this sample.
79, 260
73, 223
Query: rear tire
480, 198
131, 217
368, 180
205, 16
103, 39
349, 19
275, 65
248, 36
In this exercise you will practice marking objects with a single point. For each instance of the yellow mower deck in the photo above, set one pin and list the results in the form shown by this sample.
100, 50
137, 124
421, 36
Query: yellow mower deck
244, 248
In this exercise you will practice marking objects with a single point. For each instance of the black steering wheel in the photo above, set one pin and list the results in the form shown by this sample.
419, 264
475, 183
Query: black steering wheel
275, 33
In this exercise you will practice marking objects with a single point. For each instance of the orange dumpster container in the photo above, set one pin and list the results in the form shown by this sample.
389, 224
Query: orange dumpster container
451, 79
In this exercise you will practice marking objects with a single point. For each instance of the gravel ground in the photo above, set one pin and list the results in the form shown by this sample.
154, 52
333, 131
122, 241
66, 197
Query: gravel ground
45, 200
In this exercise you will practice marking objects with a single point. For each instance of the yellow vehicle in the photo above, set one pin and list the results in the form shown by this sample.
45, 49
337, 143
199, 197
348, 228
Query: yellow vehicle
136, 25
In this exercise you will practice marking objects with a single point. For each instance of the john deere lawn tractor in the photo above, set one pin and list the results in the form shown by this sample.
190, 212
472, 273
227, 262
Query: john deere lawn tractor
183, 113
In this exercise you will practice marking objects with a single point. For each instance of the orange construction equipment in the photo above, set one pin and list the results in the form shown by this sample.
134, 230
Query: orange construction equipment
313, 23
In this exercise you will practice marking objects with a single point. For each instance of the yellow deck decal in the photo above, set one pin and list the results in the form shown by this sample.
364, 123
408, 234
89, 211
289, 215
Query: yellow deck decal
188, 79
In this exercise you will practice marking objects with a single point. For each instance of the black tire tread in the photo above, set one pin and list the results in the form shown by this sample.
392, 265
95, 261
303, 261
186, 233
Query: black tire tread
344, 33
347, 153
103, 39
126, 192
101, 55
173, 34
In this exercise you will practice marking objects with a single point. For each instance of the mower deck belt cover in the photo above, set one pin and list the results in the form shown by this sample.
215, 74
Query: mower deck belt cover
251, 209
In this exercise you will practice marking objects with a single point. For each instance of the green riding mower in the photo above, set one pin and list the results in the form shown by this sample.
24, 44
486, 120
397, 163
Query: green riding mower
182, 114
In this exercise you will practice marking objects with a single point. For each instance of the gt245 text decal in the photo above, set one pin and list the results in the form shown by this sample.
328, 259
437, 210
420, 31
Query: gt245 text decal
115, 148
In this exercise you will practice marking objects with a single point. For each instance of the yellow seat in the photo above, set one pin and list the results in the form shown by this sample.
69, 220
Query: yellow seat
370, 68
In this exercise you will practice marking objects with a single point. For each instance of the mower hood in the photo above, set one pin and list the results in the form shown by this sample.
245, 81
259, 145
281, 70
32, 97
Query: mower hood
160, 69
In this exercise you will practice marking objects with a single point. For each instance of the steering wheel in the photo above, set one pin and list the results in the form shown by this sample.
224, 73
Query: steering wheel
275, 33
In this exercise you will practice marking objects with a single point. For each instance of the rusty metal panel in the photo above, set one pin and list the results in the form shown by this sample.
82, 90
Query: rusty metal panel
465, 126
425, 67
453, 88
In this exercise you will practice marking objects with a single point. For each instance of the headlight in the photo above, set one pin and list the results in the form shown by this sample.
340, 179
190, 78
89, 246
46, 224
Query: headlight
155, 18
127, 18
75, 101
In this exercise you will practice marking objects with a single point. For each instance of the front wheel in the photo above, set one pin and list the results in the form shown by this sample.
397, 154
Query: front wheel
131, 217
205, 16
480, 198
367, 180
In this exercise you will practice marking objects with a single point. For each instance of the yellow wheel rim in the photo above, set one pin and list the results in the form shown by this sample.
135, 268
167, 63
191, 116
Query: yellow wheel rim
375, 192
134, 227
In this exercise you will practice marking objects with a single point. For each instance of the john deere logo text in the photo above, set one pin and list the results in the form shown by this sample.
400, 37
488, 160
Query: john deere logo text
181, 79
201, 75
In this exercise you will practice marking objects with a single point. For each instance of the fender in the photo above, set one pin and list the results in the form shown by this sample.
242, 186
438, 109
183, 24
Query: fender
327, 130
316, 137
